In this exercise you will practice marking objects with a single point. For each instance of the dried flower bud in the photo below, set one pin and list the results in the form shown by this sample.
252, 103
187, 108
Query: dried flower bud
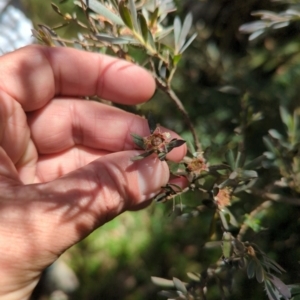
223, 197
157, 142
195, 166
251, 251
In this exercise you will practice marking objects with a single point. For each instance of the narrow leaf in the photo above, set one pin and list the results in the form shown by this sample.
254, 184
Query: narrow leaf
252, 26
294, 288
186, 45
229, 89
151, 41
251, 268
233, 175
177, 30
100, 9
56, 9
259, 273
179, 285
274, 263
163, 33
125, 15
154, 17
255, 163
194, 276
275, 134
285, 116
230, 158
238, 161
227, 245
249, 174
162, 282
256, 35
138, 140
232, 219
281, 287
271, 292
115, 40
187, 24
269, 145
175, 143
162, 156
144, 27
134, 18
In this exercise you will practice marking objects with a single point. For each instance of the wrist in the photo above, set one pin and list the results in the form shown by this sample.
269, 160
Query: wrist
15, 288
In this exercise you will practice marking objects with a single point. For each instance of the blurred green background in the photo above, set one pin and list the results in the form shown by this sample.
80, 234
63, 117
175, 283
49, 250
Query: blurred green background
117, 260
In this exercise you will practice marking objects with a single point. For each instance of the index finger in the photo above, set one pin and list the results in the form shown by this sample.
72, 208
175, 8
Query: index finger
35, 74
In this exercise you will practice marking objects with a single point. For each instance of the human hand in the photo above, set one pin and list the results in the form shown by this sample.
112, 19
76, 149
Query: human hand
65, 165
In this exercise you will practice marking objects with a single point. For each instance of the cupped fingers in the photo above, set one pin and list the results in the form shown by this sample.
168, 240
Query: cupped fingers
65, 123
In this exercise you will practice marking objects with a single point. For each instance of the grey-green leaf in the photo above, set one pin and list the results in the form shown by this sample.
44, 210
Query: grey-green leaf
162, 282
187, 24
230, 158
227, 244
271, 292
186, 45
275, 134
251, 268
177, 30
194, 276
249, 174
100, 9
281, 287
268, 262
179, 285
163, 33
151, 41
269, 145
294, 288
259, 273
115, 40
285, 116
255, 163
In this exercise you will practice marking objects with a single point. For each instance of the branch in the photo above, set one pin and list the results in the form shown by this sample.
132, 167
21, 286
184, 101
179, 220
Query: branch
257, 210
276, 197
168, 90
265, 205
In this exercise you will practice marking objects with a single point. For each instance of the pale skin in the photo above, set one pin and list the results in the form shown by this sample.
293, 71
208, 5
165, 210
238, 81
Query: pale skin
65, 165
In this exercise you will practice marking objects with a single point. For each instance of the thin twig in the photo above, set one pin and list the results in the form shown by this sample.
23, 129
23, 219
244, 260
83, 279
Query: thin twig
280, 198
245, 226
167, 89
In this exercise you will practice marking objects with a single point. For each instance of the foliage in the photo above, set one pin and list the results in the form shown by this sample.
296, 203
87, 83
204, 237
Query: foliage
241, 123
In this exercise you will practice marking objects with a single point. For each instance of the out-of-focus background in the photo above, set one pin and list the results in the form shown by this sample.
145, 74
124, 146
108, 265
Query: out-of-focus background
118, 260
